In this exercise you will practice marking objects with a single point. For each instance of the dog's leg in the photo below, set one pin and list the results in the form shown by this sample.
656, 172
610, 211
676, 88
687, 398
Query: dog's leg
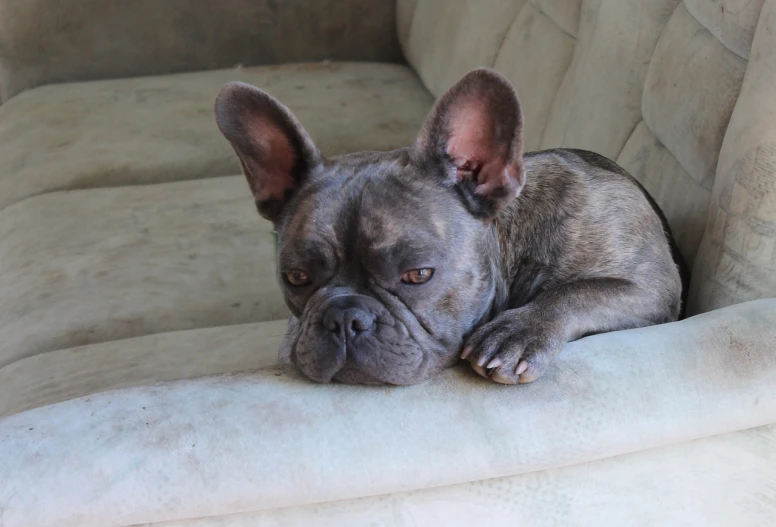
519, 343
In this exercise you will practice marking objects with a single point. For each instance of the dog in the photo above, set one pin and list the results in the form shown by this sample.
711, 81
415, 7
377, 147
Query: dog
395, 265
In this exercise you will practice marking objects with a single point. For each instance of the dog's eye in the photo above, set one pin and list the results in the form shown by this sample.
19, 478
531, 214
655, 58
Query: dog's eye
417, 276
297, 278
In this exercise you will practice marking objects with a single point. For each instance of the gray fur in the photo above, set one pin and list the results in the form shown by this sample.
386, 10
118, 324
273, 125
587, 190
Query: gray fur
543, 249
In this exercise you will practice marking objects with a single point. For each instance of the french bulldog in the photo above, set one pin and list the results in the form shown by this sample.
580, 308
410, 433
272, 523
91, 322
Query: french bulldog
395, 265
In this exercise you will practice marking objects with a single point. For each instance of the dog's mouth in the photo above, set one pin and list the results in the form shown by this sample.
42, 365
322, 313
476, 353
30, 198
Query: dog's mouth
390, 354
352, 375
351, 338
386, 357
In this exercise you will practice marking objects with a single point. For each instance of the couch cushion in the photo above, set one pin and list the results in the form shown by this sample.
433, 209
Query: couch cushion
598, 104
733, 22
737, 257
718, 481
148, 130
47, 41
270, 439
103, 264
535, 57
691, 86
447, 39
58, 375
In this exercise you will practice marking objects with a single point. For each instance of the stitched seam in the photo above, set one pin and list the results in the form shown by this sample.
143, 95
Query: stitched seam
542, 11
736, 53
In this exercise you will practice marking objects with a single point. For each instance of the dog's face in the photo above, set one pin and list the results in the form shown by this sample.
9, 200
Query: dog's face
387, 260
384, 272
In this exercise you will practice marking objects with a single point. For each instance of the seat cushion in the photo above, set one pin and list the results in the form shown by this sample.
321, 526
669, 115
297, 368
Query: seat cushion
94, 265
721, 471
155, 129
271, 439
64, 374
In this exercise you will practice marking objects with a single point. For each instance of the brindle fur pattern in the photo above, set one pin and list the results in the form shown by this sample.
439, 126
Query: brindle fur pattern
529, 251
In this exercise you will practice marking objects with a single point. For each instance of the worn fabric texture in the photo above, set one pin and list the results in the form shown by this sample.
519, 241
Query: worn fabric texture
737, 258
707, 482
691, 73
270, 439
733, 22
448, 39
133, 261
48, 41
154, 129
531, 39
55, 376
598, 104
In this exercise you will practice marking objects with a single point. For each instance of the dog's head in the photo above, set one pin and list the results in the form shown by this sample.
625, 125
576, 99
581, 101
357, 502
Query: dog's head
387, 260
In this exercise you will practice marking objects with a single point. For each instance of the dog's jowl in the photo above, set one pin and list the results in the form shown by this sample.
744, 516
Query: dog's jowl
397, 264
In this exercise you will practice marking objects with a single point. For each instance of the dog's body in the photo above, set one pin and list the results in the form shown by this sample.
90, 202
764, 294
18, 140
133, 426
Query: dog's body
394, 263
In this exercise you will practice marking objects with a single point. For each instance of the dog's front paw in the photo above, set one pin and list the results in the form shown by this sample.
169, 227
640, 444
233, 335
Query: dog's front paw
515, 347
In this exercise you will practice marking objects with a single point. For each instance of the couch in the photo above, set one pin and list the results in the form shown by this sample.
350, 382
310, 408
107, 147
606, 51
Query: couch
140, 320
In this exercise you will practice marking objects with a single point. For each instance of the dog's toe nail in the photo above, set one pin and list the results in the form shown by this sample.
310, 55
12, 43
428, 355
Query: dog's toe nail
521, 367
480, 371
495, 363
466, 352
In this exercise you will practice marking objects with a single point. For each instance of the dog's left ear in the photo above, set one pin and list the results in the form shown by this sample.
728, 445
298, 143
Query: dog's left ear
475, 134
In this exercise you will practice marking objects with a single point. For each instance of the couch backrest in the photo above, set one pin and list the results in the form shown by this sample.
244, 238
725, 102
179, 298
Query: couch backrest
51, 41
651, 84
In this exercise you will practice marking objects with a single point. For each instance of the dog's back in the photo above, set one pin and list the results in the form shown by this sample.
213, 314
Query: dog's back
583, 216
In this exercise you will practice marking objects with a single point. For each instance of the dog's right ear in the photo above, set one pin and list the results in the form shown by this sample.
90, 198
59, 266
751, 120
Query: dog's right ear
276, 153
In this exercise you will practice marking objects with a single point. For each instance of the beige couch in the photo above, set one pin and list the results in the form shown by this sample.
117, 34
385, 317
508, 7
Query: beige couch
134, 269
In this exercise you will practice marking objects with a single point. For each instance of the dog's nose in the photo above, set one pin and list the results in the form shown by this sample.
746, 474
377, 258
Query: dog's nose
352, 321
347, 320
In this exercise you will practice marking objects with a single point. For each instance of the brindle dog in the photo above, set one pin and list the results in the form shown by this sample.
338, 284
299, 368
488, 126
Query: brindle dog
396, 264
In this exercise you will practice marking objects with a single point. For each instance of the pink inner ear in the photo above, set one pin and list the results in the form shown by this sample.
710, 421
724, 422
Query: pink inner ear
475, 148
274, 174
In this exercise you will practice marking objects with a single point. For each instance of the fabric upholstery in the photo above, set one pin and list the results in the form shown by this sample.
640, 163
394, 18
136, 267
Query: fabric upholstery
47, 41
447, 39
270, 439
535, 57
107, 264
733, 22
154, 129
405, 12
737, 258
565, 13
599, 103
63, 374
690, 73
707, 482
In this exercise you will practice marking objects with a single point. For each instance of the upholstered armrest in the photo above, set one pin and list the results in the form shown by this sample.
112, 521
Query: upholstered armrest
270, 439
49, 41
